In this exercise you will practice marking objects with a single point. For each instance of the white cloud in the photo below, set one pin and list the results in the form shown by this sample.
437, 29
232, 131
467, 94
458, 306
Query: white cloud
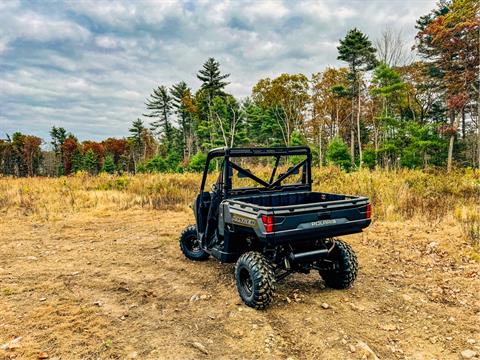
343, 12
32, 26
38, 27
218, 12
127, 14
3, 44
88, 65
106, 42
265, 9
326, 11
9, 5
107, 12
267, 49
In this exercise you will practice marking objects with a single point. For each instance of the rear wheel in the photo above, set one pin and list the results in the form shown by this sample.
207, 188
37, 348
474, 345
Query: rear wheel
190, 244
346, 266
255, 279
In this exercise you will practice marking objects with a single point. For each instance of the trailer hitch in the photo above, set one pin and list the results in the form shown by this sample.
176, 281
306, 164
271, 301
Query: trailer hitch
310, 256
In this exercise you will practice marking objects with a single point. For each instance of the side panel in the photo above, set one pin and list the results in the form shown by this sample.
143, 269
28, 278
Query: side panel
237, 226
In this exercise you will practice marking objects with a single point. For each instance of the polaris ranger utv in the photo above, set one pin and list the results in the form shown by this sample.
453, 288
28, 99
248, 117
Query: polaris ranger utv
275, 228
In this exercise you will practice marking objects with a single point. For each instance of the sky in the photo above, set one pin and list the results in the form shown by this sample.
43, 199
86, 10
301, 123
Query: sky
88, 66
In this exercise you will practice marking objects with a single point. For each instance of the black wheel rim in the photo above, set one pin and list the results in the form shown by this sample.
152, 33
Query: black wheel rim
246, 282
192, 244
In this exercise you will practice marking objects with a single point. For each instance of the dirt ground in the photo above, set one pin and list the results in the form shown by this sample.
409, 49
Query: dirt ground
115, 285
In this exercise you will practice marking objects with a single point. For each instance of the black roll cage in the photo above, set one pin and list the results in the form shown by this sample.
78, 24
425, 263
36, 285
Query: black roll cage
225, 178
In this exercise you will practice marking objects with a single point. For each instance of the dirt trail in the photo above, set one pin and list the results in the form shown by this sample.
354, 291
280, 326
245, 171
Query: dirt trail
115, 285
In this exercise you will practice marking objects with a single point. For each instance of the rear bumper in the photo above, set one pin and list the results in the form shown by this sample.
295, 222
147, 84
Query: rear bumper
232, 248
316, 233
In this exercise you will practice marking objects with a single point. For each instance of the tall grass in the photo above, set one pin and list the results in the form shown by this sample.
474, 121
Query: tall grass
395, 195
469, 219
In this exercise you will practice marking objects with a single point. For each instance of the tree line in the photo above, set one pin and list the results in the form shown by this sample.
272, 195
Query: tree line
384, 109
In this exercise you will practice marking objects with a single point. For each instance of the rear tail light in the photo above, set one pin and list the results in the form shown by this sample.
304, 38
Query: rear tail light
268, 223
368, 214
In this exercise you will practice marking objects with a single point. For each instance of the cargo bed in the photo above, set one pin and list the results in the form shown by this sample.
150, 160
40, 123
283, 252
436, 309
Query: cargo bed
303, 215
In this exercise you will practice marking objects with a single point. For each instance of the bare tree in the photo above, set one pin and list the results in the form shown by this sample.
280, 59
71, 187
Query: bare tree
229, 129
392, 49
282, 120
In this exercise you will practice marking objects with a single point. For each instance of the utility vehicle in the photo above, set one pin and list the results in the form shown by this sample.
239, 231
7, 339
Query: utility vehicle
273, 227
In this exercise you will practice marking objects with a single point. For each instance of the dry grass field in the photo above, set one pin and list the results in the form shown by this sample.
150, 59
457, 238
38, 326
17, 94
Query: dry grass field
90, 269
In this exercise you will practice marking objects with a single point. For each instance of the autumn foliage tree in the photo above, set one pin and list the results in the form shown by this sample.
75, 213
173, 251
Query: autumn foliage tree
287, 97
448, 39
31, 154
70, 149
20, 155
329, 106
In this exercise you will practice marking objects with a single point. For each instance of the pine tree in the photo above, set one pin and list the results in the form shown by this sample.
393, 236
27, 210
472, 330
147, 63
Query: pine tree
160, 106
212, 79
357, 50
387, 85
77, 162
58, 136
137, 130
180, 92
212, 86
137, 141
90, 162
108, 165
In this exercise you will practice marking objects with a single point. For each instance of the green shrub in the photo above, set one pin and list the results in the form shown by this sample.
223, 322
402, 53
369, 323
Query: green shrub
337, 154
120, 183
173, 160
410, 158
156, 164
197, 162
180, 168
369, 158
141, 168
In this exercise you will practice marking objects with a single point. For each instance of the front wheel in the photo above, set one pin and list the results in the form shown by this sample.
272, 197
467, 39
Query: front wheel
255, 279
346, 266
190, 245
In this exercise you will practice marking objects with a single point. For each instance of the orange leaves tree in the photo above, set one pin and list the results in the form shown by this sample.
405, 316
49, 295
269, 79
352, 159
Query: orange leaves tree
448, 38
70, 150
31, 154
287, 96
20, 155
